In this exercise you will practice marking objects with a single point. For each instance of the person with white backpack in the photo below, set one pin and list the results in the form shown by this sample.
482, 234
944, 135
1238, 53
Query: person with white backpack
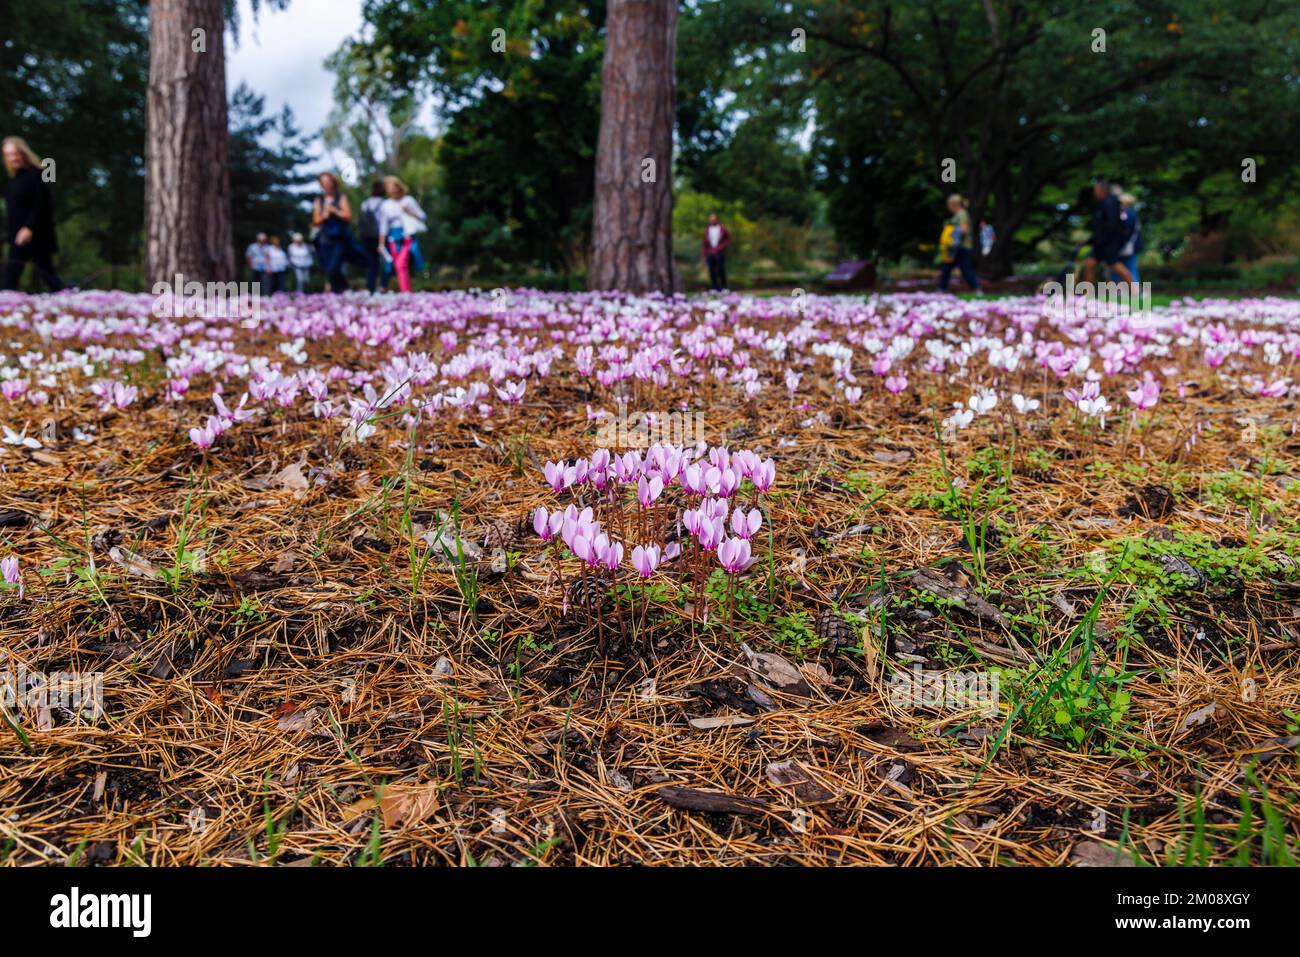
401, 220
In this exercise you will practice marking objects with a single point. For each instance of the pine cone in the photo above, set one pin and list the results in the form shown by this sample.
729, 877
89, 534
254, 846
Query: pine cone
507, 534
587, 594
834, 629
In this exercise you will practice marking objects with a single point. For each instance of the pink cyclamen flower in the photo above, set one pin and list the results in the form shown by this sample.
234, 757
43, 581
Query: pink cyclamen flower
744, 462
124, 395
240, 414
577, 524
744, 524
609, 554
203, 437
582, 544
765, 475
896, 383
1145, 394
645, 559
554, 473
648, 490
728, 482
692, 479
709, 533
513, 392
12, 389
547, 525
627, 466
734, 555
9, 568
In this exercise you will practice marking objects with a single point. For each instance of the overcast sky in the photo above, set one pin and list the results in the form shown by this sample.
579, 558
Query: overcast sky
281, 55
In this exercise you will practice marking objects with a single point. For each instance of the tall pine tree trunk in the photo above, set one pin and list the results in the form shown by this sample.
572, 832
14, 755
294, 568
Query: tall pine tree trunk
187, 145
632, 230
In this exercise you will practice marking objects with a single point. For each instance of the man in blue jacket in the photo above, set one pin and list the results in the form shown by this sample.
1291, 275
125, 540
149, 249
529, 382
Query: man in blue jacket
1108, 234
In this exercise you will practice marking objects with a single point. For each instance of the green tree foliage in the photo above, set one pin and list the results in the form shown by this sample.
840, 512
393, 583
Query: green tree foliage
760, 166
374, 111
266, 156
519, 84
735, 124
1020, 95
690, 219
73, 75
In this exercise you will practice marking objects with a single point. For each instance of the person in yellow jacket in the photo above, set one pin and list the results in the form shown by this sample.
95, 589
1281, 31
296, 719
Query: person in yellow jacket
945, 244
956, 245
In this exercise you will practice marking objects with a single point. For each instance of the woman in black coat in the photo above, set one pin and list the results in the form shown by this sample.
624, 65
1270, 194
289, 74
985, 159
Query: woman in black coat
31, 216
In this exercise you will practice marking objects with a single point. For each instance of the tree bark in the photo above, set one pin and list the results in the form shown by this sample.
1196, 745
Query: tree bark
187, 145
632, 229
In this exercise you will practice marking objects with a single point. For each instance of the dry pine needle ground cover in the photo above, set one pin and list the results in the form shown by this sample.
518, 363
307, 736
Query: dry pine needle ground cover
333, 637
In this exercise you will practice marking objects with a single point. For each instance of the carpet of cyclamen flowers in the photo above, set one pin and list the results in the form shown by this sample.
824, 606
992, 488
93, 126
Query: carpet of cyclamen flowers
460, 544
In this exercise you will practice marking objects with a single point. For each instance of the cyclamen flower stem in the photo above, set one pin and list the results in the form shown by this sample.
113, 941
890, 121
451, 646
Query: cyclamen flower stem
622, 612
600, 618
559, 570
704, 587
645, 607
694, 567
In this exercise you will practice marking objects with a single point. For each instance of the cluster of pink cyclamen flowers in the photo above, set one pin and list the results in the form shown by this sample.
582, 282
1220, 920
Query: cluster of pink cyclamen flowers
450, 358
710, 480
203, 436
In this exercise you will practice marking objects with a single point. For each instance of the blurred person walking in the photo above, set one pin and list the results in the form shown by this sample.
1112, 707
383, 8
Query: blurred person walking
256, 258
715, 243
1132, 228
400, 220
332, 215
1108, 235
277, 265
370, 233
30, 205
961, 244
300, 259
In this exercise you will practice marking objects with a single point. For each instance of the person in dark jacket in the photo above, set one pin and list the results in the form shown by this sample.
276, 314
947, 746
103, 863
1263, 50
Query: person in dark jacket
1109, 234
332, 215
716, 241
30, 206
369, 229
